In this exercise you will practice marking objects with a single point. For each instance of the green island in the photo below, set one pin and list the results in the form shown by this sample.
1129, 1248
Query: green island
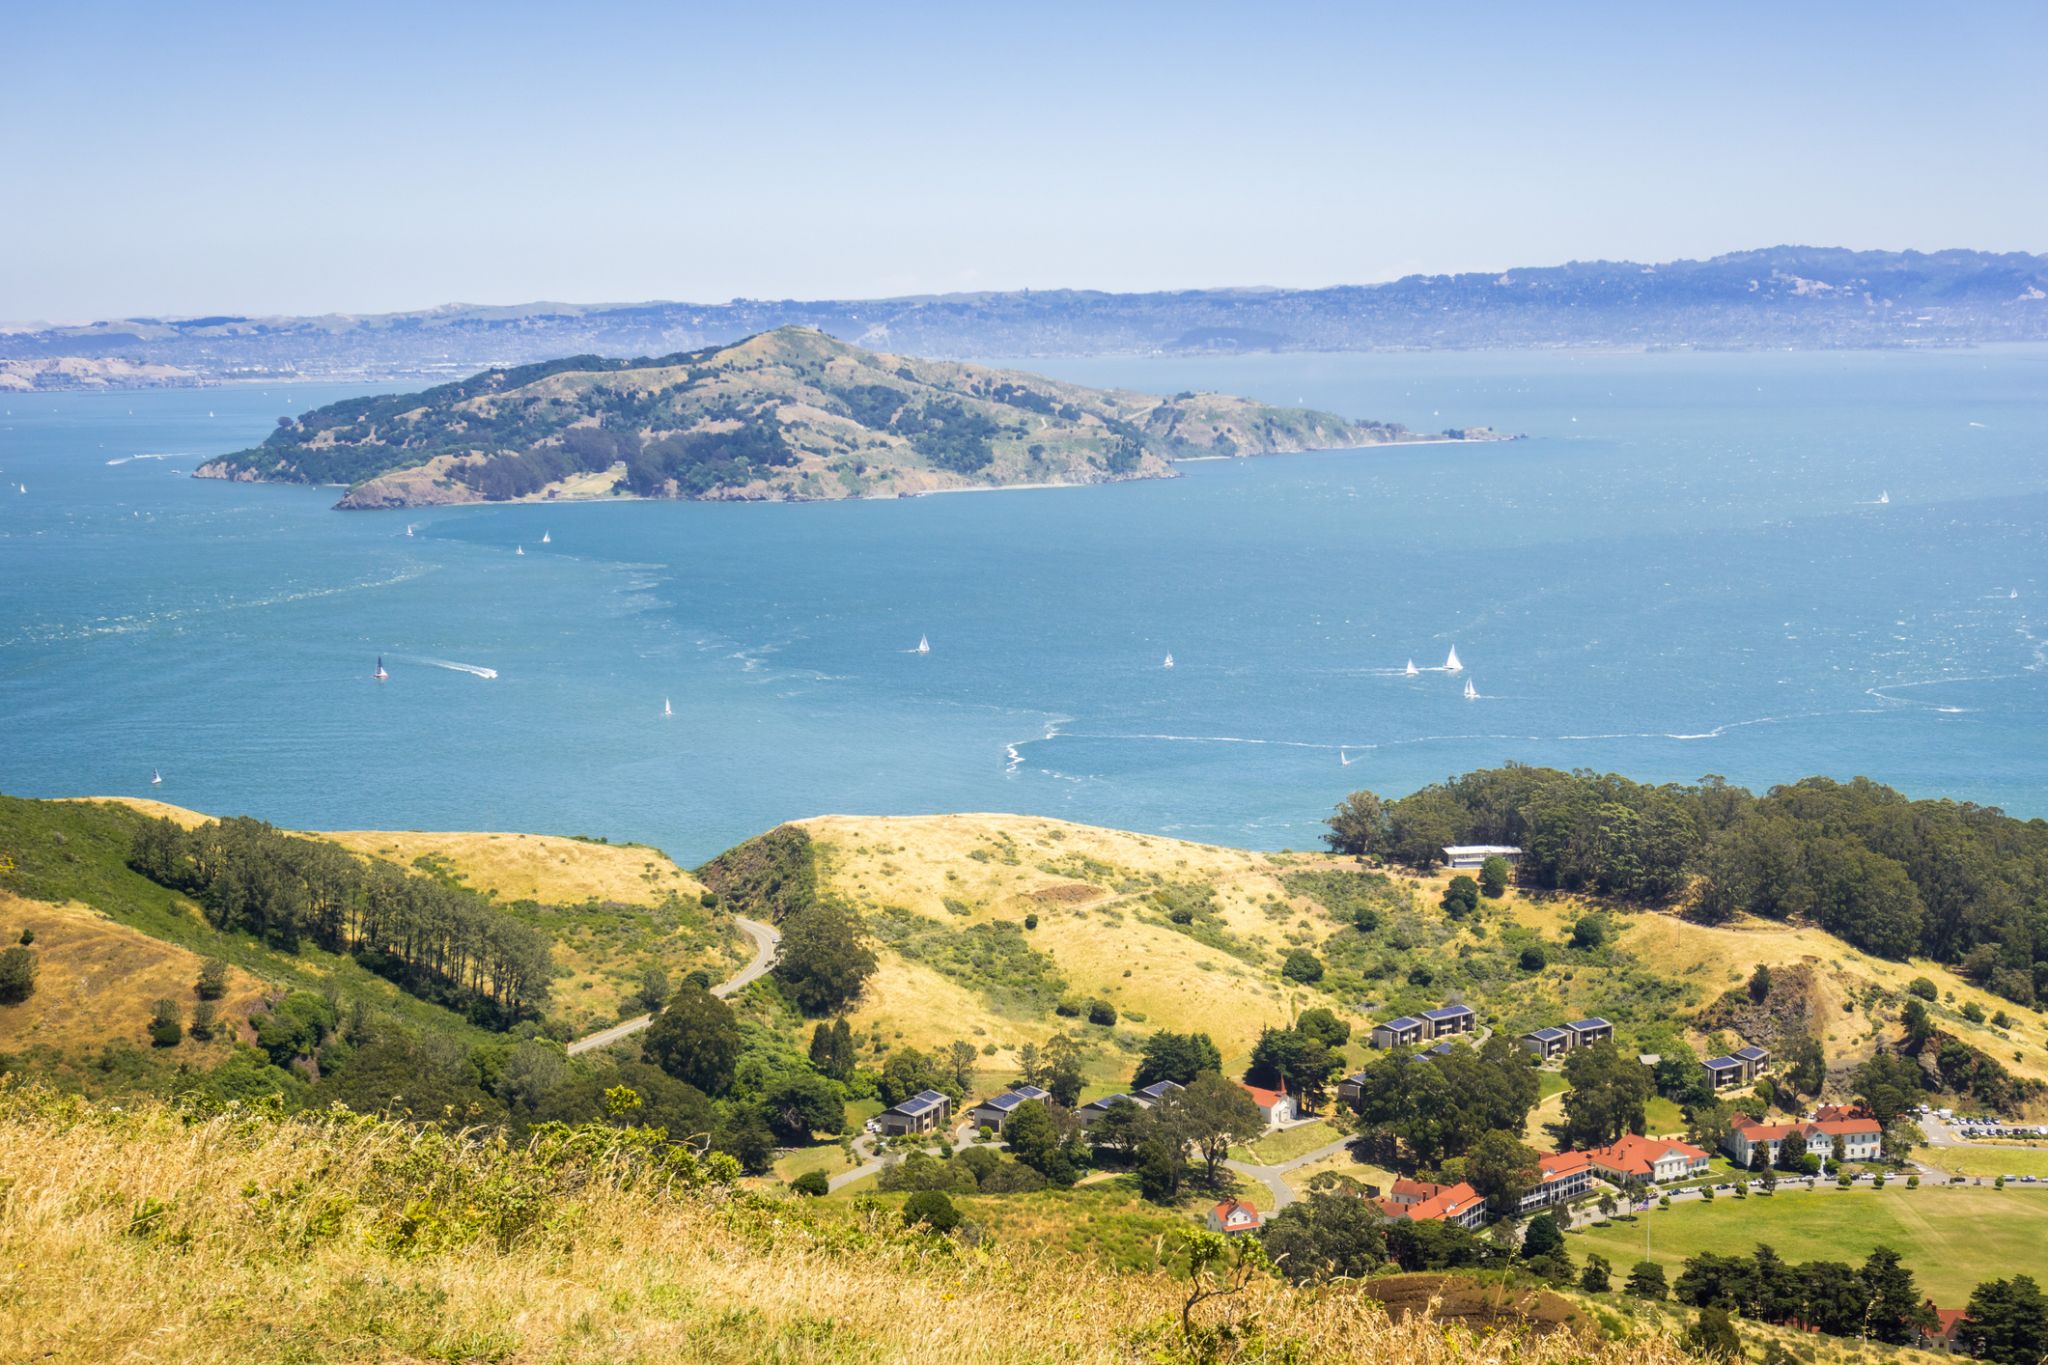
470, 1096
787, 415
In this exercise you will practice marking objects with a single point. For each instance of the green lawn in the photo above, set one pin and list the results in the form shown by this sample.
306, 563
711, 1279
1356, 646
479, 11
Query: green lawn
1550, 1083
1951, 1238
826, 1157
1275, 1148
1661, 1116
1988, 1160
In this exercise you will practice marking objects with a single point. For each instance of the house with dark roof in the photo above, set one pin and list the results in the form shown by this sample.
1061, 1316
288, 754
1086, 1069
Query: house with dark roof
1091, 1113
1233, 1216
1547, 1043
1586, 1032
1403, 1032
1448, 1020
1756, 1061
1155, 1092
921, 1113
1723, 1073
994, 1113
1350, 1088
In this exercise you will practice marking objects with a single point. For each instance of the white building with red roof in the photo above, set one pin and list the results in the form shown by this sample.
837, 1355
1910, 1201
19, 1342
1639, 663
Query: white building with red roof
1658, 1160
1234, 1216
1275, 1106
1418, 1201
1564, 1177
1840, 1139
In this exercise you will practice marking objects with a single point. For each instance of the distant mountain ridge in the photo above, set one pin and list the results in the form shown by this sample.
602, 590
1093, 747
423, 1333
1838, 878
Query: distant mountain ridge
787, 415
1809, 297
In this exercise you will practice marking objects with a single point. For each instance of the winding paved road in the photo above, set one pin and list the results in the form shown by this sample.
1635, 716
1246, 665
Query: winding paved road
766, 939
1274, 1177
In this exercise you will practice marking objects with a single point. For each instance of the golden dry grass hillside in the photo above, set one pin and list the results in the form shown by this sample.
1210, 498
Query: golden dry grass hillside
1096, 897
97, 980
1103, 900
154, 1235
539, 867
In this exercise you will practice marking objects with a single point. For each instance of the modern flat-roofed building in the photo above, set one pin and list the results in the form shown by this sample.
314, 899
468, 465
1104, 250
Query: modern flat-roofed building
1448, 1020
1723, 1073
1402, 1032
1755, 1060
1586, 1032
994, 1113
1468, 857
1155, 1092
921, 1113
1547, 1042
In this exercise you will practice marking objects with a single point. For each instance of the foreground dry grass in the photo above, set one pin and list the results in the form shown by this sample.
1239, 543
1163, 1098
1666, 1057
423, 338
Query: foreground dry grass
148, 1235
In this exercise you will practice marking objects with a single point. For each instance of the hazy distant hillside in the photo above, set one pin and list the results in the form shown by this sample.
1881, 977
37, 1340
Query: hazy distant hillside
790, 414
1780, 296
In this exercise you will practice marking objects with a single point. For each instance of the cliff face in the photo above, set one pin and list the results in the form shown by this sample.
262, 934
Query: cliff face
786, 415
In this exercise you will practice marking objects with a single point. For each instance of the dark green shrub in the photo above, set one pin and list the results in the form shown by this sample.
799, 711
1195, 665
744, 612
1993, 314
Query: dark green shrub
165, 1028
931, 1208
812, 1183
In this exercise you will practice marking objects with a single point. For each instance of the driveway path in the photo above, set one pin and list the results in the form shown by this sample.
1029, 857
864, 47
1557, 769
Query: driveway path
765, 941
1274, 1177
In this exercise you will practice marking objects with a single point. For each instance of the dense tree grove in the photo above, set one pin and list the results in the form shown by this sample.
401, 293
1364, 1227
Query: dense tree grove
1432, 1111
1964, 884
441, 942
1879, 1299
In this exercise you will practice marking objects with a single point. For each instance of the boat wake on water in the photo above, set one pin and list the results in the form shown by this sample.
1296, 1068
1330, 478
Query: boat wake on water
474, 670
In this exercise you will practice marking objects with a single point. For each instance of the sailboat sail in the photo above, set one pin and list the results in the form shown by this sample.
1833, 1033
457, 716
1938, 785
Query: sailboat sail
924, 646
1412, 670
666, 709
1451, 665
1471, 692
1169, 662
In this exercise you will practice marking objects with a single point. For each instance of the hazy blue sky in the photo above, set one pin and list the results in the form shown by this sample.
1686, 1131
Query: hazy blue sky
298, 158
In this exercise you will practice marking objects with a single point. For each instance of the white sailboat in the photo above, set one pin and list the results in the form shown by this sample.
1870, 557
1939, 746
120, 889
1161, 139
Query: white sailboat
1412, 670
666, 709
1168, 663
1884, 499
156, 779
408, 532
380, 675
1451, 665
546, 539
520, 550
2013, 596
1471, 692
924, 646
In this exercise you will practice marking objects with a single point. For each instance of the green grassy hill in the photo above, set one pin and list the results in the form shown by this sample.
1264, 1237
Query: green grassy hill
787, 414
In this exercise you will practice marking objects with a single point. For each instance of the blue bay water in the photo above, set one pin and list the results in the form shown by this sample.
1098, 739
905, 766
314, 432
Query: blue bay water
1683, 571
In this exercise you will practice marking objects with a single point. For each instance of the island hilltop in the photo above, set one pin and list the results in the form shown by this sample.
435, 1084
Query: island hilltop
786, 415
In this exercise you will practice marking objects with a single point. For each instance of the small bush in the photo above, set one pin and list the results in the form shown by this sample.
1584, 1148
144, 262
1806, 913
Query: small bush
1921, 987
931, 1208
205, 1020
28, 936
1533, 958
1101, 1012
165, 1027
1068, 1009
811, 1183
1973, 1012
213, 979
1031, 921
1303, 966
17, 975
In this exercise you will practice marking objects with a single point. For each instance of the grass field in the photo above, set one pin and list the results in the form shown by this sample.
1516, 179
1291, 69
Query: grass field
1953, 1239
1987, 1160
1275, 1148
